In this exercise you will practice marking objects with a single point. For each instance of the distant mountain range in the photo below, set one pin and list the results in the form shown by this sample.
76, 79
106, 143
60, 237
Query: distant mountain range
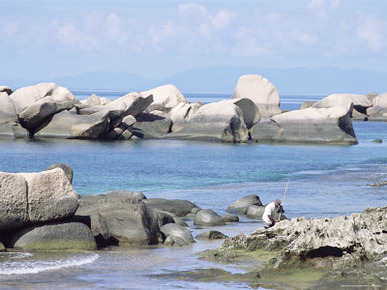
223, 79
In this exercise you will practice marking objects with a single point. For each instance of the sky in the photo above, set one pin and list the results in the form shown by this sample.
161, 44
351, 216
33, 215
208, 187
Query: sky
45, 39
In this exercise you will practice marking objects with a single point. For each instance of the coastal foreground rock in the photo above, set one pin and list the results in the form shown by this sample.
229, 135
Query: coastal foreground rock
358, 241
27, 198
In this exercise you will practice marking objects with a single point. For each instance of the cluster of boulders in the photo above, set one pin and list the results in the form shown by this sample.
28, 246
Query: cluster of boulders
319, 243
47, 110
41, 211
364, 107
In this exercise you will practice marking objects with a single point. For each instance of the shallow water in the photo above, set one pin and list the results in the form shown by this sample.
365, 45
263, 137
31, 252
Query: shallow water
324, 181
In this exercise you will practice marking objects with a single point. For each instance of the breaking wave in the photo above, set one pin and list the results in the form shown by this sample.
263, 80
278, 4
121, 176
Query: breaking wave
20, 264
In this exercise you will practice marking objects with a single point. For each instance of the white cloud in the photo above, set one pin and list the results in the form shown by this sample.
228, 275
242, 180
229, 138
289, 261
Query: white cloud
71, 36
115, 28
372, 32
322, 8
11, 28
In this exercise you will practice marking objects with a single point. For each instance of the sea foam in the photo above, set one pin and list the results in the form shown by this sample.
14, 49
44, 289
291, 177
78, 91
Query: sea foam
22, 266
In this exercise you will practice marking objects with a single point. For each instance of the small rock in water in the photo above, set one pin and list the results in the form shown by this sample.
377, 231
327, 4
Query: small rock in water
211, 235
378, 184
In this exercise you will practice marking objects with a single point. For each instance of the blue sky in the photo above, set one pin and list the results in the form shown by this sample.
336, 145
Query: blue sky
47, 39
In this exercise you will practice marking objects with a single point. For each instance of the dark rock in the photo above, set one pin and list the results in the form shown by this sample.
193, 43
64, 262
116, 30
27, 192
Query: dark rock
153, 125
378, 141
211, 235
176, 206
230, 218
118, 217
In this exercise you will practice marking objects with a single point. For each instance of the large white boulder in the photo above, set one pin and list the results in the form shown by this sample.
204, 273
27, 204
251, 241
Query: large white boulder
69, 126
334, 100
181, 113
378, 111
261, 91
37, 197
9, 121
360, 103
27, 96
311, 125
221, 121
130, 104
164, 98
34, 104
7, 109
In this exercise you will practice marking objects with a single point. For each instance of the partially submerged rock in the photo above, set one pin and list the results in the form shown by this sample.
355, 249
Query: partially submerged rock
54, 236
241, 205
119, 217
177, 231
176, 206
207, 217
211, 235
311, 125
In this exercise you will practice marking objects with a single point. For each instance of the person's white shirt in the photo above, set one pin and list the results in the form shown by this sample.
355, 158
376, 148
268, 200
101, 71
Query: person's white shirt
269, 210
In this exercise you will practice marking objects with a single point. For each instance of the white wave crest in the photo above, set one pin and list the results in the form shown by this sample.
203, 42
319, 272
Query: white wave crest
37, 266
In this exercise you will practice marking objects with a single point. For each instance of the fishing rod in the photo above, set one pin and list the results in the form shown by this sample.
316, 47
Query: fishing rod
283, 199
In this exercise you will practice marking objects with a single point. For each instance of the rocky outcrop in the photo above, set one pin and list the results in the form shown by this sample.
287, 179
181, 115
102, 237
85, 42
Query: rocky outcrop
28, 96
47, 110
359, 104
321, 243
261, 91
27, 198
54, 236
35, 104
312, 125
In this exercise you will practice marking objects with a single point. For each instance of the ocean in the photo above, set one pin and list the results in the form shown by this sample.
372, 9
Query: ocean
324, 181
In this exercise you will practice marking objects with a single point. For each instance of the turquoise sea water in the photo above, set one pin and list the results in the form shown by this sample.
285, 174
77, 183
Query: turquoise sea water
324, 181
